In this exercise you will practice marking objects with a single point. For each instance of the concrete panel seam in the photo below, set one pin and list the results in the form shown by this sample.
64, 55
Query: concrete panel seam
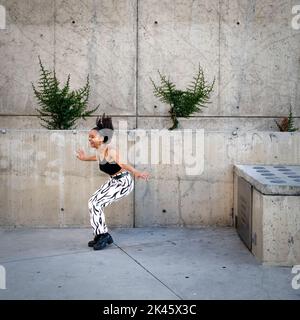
155, 277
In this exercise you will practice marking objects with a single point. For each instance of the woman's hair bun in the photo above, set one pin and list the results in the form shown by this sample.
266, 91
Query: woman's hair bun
104, 122
107, 122
105, 127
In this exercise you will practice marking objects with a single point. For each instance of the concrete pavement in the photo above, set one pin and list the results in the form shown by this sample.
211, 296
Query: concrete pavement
143, 263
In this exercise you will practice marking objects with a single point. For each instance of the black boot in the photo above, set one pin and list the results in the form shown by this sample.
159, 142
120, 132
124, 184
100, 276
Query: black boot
104, 240
93, 242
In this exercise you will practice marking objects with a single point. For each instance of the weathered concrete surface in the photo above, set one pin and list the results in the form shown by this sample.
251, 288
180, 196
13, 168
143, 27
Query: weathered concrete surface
32, 122
221, 124
99, 38
173, 197
271, 180
91, 37
257, 58
158, 122
276, 226
143, 263
249, 46
174, 37
29, 32
275, 218
43, 184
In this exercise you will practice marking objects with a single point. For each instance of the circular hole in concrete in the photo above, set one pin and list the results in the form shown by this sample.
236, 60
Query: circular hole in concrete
268, 174
289, 172
284, 169
272, 178
187, 277
258, 167
279, 166
164, 210
277, 181
155, 22
262, 170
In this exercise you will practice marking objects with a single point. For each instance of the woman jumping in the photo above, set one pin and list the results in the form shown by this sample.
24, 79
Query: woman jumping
119, 185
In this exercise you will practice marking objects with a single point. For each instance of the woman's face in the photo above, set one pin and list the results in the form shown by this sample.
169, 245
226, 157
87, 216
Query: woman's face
94, 139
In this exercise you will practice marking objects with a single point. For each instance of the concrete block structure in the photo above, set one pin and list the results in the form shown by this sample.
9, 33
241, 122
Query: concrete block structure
269, 222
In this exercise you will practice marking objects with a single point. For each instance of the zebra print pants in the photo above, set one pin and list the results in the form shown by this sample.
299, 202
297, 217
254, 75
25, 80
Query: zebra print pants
112, 190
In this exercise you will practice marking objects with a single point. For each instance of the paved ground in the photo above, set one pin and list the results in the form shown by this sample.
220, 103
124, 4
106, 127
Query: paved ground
143, 263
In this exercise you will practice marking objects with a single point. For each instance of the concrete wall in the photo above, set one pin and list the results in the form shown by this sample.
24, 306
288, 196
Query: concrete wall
249, 46
43, 184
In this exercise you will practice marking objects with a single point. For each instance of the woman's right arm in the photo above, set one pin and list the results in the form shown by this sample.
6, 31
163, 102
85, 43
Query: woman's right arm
82, 156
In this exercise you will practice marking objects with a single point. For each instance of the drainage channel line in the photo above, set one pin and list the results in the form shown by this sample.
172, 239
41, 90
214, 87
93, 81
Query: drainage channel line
149, 272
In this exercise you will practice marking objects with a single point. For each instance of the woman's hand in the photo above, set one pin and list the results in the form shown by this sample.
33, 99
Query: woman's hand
81, 155
142, 175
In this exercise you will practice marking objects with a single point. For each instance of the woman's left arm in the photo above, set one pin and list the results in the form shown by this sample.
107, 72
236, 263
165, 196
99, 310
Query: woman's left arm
116, 157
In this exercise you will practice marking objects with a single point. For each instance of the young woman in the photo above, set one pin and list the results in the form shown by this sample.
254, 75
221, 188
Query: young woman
119, 185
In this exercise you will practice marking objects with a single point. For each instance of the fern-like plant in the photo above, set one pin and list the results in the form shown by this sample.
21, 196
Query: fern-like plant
60, 108
183, 103
287, 123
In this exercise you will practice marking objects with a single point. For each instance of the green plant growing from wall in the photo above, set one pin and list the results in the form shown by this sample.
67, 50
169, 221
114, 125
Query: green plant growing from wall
183, 103
287, 123
60, 108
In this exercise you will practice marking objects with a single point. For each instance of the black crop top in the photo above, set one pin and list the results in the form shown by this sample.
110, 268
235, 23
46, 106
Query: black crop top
109, 167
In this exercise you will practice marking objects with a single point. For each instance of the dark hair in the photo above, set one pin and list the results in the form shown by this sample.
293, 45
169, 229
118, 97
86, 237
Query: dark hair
104, 127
